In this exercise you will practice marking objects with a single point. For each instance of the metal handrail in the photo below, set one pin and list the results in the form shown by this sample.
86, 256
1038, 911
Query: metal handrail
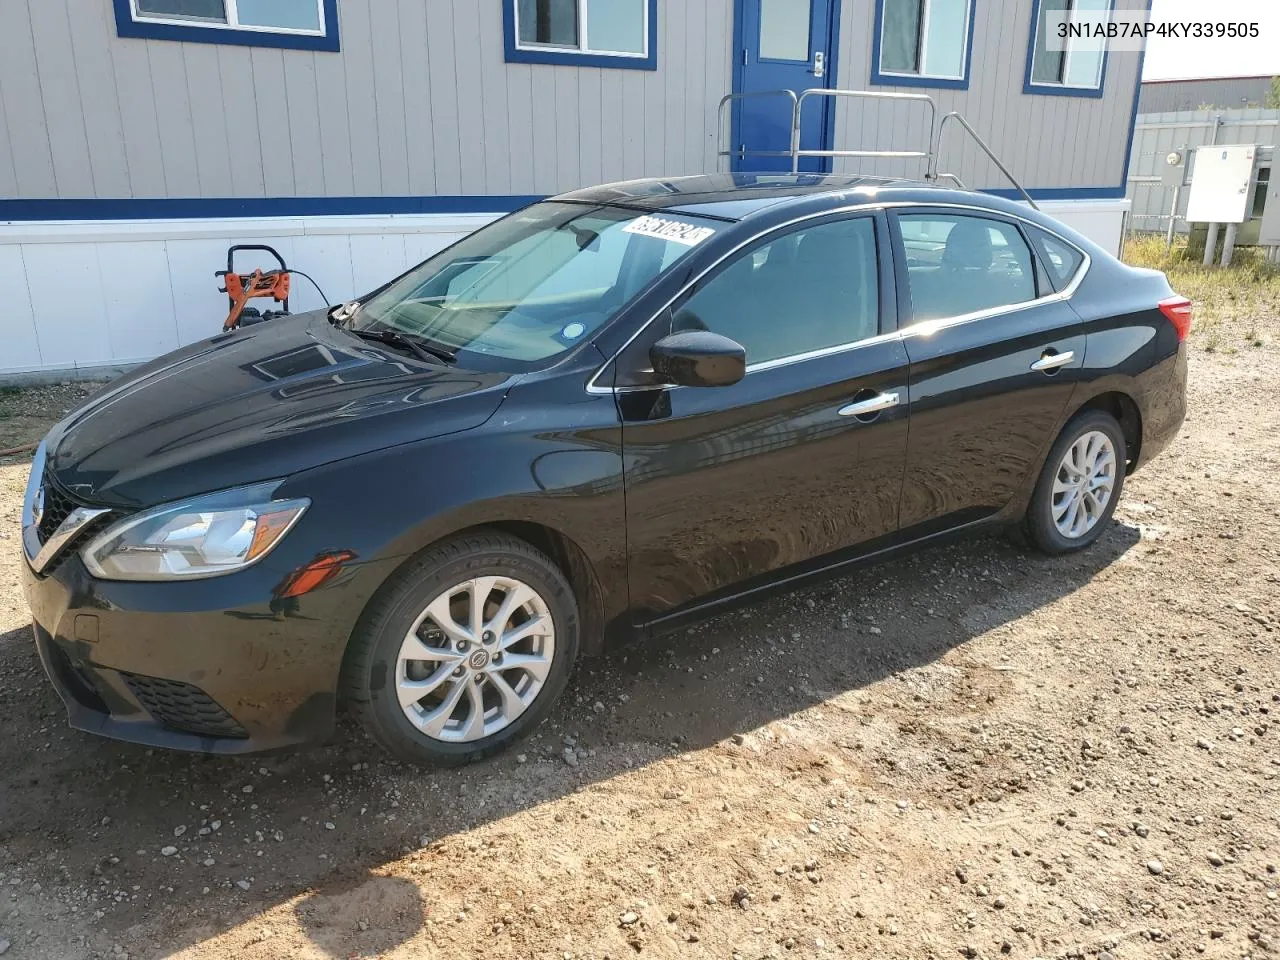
797, 153
937, 144
722, 150
931, 155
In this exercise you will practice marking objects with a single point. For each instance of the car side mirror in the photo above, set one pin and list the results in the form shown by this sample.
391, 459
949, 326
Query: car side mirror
698, 358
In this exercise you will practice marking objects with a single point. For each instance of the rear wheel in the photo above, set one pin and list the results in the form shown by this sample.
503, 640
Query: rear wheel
1080, 484
465, 651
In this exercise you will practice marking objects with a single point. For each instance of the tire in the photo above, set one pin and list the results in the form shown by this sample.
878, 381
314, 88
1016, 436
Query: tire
378, 671
1046, 516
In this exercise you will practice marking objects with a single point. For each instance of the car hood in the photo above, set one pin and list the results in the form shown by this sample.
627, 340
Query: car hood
258, 404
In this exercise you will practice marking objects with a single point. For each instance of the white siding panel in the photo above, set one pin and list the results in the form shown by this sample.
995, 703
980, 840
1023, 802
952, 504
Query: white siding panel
520, 128
389, 94
104, 129
26, 127
173, 106
212, 138
17, 322
273, 122
474, 122
199, 309
335, 130
375, 260
302, 115
362, 106
72, 329
419, 147
235, 66
138, 300
444, 96
495, 91
328, 259
60, 95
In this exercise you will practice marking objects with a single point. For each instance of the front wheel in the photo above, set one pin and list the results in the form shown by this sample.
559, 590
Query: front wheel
464, 651
1080, 484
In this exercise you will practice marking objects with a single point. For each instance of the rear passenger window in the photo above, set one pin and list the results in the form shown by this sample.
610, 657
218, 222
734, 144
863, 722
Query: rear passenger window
958, 265
1061, 259
808, 290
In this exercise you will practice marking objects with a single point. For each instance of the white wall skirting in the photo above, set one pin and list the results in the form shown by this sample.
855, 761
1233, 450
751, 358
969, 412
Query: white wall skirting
84, 300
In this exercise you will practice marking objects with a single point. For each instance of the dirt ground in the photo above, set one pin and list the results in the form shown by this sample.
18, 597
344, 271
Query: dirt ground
973, 752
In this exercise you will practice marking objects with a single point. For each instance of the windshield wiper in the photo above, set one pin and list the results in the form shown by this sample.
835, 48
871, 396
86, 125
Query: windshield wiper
420, 348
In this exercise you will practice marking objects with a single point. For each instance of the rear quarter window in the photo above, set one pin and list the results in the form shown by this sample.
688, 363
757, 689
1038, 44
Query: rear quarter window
1061, 260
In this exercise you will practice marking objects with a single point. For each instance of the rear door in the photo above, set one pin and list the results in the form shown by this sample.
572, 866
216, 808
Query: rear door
803, 458
995, 355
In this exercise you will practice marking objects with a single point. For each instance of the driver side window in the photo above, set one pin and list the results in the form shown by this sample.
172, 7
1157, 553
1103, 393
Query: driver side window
814, 288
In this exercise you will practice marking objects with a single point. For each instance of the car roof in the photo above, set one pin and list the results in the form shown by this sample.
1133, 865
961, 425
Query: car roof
731, 196
742, 196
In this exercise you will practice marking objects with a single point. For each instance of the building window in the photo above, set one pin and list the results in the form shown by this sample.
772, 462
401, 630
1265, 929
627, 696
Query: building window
1078, 66
585, 33
295, 24
923, 43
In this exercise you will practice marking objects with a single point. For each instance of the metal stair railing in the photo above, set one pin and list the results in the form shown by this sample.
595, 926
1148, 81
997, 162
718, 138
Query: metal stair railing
742, 152
797, 153
931, 155
959, 118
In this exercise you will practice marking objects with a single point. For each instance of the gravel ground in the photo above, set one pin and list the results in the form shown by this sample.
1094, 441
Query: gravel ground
972, 752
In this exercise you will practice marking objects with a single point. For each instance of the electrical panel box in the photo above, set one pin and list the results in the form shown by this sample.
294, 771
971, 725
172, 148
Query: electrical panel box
1269, 231
1220, 182
1174, 169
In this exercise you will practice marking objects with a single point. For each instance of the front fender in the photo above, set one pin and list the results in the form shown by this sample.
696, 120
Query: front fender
538, 460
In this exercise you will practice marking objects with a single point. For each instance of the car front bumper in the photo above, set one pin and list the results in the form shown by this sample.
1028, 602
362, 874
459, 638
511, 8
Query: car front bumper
217, 666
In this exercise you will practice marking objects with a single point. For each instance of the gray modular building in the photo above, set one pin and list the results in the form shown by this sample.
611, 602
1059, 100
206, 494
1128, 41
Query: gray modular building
1222, 93
141, 137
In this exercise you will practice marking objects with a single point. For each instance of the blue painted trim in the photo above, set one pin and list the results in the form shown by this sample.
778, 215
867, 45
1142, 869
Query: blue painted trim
1062, 193
196, 208
564, 58
833, 58
1133, 115
735, 108
920, 80
217, 208
126, 26
1057, 89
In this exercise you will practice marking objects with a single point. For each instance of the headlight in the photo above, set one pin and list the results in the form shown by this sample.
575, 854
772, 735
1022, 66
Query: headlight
206, 536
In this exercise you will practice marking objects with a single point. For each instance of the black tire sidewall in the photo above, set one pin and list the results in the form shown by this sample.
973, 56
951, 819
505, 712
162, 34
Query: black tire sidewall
1040, 526
383, 711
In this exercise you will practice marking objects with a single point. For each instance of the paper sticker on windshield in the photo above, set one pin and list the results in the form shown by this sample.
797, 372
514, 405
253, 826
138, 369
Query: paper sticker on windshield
673, 230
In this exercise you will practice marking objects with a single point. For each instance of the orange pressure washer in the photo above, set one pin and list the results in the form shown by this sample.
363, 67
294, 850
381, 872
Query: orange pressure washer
240, 288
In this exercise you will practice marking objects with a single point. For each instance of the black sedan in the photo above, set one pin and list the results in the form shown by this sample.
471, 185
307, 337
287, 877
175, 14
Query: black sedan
597, 417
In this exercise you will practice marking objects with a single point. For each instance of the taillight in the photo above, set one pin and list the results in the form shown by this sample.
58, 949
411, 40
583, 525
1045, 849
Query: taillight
1178, 310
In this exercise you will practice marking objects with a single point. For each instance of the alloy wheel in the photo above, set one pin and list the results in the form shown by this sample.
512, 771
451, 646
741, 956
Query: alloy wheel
1083, 484
475, 659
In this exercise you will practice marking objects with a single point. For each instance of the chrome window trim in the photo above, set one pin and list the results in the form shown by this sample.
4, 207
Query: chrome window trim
923, 328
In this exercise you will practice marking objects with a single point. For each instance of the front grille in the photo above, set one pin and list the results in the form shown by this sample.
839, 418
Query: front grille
57, 507
183, 707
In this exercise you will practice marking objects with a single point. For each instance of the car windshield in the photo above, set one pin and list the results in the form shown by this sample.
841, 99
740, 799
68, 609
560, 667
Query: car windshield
532, 285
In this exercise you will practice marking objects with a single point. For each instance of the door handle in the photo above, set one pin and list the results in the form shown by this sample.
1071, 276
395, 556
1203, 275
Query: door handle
1052, 361
820, 64
881, 401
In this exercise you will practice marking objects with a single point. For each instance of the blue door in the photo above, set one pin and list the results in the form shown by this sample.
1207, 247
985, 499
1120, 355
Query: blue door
783, 45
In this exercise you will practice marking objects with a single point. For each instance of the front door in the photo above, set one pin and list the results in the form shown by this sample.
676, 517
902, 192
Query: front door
800, 460
783, 45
